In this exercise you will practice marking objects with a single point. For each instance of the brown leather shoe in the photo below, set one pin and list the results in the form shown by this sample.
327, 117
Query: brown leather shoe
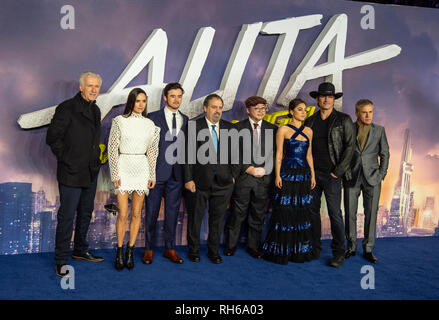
254, 253
370, 257
173, 256
147, 256
230, 251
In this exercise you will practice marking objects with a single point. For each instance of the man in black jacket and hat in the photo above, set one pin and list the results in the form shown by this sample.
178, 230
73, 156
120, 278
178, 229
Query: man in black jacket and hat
332, 147
73, 137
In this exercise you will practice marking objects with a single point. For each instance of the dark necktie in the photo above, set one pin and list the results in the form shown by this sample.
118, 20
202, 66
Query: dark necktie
255, 133
174, 125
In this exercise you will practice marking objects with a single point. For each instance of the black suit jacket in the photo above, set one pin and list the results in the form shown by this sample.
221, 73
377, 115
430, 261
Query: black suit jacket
204, 172
267, 150
73, 136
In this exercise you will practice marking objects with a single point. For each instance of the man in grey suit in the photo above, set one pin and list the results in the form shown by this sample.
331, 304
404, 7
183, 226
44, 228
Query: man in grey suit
368, 168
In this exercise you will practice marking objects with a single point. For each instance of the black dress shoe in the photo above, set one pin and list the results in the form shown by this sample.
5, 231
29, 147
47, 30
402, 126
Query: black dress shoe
349, 253
315, 254
88, 257
215, 259
254, 253
120, 263
337, 261
370, 257
129, 257
61, 274
230, 251
194, 257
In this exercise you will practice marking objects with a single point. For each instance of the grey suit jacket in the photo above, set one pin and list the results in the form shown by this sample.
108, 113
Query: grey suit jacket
367, 160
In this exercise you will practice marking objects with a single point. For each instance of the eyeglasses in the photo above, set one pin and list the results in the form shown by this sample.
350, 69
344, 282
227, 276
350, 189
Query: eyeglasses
260, 108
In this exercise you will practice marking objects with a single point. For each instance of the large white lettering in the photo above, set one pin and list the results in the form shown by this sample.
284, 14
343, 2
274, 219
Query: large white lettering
153, 54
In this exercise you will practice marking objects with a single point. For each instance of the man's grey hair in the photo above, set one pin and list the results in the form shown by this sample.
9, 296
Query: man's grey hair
88, 74
361, 103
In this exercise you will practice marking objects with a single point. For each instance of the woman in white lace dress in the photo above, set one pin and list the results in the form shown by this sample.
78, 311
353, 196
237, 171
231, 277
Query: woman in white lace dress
132, 155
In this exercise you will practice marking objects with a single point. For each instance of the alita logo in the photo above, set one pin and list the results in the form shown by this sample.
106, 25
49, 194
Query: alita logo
153, 53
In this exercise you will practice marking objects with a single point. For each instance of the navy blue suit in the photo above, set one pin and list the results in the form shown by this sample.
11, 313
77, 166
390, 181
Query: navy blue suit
169, 184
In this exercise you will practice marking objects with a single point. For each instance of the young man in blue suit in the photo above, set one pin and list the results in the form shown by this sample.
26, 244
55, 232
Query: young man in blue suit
169, 183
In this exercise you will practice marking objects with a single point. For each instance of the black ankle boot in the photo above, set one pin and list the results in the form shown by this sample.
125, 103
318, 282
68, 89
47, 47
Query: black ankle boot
120, 263
129, 258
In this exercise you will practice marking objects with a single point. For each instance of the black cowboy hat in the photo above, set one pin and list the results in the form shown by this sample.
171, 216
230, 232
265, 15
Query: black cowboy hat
326, 89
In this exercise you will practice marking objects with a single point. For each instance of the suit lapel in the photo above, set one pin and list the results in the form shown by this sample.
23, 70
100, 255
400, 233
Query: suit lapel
263, 127
357, 144
369, 137
162, 120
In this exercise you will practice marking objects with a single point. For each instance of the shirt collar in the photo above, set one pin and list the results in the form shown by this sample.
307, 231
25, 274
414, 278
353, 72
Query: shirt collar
209, 124
253, 122
169, 112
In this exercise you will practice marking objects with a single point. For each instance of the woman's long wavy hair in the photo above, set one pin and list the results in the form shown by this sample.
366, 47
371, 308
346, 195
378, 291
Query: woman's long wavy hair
131, 100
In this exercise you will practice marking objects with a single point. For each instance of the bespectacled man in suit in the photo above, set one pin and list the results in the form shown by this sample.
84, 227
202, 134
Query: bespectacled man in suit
252, 188
368, 168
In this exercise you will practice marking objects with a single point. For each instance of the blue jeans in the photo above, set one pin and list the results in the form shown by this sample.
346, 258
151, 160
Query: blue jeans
73, 200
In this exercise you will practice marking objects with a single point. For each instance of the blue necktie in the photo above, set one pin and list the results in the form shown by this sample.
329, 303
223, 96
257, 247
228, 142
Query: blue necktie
214, 137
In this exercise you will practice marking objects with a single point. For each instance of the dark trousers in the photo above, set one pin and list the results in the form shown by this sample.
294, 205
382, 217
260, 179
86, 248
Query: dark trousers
218, 198
81, 201
171, 191
249, 199
331, 187
371, 197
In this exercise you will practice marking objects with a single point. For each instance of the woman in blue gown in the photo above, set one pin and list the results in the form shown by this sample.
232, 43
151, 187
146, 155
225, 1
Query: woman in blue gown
289, 234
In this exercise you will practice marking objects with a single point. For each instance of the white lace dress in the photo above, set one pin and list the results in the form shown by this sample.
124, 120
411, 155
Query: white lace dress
132, 152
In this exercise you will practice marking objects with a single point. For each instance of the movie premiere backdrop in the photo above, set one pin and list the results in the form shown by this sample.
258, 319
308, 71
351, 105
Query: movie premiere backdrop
278, 49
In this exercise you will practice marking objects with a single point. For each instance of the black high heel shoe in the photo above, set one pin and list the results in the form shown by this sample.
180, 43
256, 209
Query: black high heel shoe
129, 258
120, 263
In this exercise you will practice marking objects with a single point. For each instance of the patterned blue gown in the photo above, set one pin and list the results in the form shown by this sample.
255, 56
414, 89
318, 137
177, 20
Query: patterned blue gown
289, 234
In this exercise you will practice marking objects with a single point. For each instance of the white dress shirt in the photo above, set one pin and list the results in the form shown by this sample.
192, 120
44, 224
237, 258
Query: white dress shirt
209, 125
258, 129
178, 119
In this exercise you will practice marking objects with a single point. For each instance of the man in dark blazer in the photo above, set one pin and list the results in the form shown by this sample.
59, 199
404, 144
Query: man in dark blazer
209, 176
332, 149
368, 168
73, 137
169, 174
252, 187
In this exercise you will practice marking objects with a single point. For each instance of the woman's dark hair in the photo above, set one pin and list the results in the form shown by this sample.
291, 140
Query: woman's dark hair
132, 96
293, 104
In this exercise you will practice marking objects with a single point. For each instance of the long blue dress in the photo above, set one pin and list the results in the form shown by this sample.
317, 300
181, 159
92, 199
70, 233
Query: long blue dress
289, 235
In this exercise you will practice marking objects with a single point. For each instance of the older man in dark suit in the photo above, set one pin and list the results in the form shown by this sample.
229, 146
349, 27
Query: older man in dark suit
368, 168
73, 137
209, 176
